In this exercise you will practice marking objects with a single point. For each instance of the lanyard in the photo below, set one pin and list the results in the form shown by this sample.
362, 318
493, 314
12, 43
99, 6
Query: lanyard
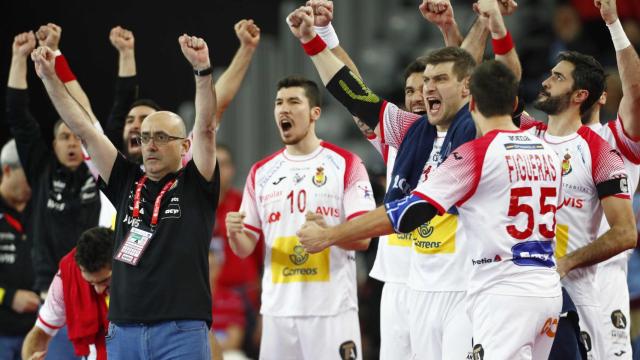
13, 222
156, 205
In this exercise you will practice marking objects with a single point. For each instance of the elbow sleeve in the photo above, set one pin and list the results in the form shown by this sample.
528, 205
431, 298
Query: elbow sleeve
351, 92
409, 213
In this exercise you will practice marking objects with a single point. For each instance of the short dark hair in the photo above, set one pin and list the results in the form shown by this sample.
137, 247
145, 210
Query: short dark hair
494, 88
95, 249
463, 62
311, 90
416, 66
146, 102
588, 74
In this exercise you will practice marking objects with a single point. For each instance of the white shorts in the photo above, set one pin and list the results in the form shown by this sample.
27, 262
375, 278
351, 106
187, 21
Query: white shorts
438, 325
306, 337
592, 331
395, 342
513, 327
614, 301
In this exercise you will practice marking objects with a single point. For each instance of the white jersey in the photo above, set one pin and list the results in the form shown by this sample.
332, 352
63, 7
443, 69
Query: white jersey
438, 257
613, 133
591, 170
279, 191
394, 253
505, 186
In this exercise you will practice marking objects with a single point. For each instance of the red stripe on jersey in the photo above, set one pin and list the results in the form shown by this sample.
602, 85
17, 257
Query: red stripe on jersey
381, 121
385, 153
426, 198
252, 173
356, 214
52, 327
620, 196
527, 122
351, 163
606, 163
622, 145
253, 228
476, 151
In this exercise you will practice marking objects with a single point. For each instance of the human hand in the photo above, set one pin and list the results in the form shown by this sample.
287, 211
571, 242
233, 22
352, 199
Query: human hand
247, 32
122, 39
45, 62
195, 50
23, 44
49, 36
301, 23
25, 301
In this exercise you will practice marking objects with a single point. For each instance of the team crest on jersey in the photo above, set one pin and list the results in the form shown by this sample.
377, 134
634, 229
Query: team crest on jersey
319, 178
299, 256
566, 164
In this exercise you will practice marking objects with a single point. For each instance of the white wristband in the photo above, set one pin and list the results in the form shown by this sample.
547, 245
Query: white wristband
57, 53
328, 34
618, 36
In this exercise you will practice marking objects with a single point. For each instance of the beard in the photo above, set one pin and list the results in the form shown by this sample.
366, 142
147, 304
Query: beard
295, 139
553, 105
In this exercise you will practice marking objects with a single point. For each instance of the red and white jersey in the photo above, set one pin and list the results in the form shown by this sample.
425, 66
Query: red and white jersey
279, 191
613, 133
505, 186
591, 170
438, 260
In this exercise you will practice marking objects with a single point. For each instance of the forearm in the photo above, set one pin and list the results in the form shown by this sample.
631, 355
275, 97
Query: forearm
229, 82
371, 224
611, 243
242, 244
216, 349
204, 129
451, 35
358, 245
7, 294
629, 68
476, 40
36, 340
126, 63
69, 109
18, 73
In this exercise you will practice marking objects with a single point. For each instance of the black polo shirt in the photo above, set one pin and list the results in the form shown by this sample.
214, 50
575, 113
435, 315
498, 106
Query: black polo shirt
16, 271
171, 280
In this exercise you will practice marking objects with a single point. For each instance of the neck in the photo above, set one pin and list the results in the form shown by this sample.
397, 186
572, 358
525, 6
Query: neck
14, 203
565, 123
157, 176
305, 146
444, 126
503, 122
594, 119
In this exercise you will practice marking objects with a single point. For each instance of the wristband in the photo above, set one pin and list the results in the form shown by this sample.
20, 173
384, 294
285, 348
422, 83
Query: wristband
328, 34
315, 46
203, 72
618, 36
502, 46
62, 68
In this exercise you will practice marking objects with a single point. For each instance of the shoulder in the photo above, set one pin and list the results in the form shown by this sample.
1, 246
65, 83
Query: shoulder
347, 155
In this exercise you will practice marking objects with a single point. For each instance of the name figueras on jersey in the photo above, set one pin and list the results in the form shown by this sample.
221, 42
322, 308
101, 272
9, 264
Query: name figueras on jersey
530, 167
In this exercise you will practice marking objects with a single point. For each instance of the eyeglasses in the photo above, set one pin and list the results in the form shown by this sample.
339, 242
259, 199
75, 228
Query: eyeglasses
159, 138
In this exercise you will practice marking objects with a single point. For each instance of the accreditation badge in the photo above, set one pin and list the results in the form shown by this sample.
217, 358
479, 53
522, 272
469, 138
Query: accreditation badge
133, 246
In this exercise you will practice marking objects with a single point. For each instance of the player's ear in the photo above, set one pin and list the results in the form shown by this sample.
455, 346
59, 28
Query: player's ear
315, 113
465, 87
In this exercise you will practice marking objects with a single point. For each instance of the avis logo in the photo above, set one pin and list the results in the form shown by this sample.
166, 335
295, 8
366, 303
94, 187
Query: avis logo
274, 217
572, 202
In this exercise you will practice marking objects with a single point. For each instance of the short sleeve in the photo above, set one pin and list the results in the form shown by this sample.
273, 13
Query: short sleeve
394, 124
52, 315
249, 206
358, 195
122, 172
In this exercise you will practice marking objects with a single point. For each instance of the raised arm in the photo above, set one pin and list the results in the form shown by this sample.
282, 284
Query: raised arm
490, 15
126, 89
628, 66
229, 82
49, 35
74, 115
342, 83
195, 50
440, 13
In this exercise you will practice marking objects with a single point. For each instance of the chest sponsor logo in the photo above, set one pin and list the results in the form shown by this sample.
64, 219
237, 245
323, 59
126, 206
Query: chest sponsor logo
319, 179
274, 217
328, 211
131, 221
172, 212
291, 263
438, 236
573, 202
270, 196
533, 253
566, 164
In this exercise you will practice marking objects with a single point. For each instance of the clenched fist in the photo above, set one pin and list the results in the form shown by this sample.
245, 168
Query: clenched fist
121, 39
49, 36
247, 32
195, 50
23, 44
